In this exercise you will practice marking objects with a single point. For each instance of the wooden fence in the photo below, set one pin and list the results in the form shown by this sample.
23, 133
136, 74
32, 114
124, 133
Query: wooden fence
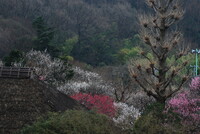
16, 72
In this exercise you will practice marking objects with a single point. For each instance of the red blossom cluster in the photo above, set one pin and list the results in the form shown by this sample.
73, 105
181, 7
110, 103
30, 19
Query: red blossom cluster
101, 103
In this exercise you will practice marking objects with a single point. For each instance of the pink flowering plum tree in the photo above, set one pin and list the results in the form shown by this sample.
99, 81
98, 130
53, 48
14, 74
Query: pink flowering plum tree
195, 86
187, 104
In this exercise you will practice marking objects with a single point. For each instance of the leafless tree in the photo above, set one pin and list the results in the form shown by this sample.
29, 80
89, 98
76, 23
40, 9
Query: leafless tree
123, 88
118, 77
163, 39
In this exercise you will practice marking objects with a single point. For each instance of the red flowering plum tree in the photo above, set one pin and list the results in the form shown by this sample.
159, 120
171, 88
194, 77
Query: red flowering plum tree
102, 103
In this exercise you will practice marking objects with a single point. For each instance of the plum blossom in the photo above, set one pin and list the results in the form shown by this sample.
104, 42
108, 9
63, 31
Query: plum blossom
195, 85
126, 115
86, 75
48, 69
187, 103
86, 82
73, 87
102, 103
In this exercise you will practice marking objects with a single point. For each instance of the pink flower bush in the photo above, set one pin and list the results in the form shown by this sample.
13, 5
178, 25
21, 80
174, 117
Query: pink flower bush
103, 104
185, 106
195, 85
187, 103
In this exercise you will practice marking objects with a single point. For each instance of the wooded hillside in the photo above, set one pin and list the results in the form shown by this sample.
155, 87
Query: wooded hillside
90, 31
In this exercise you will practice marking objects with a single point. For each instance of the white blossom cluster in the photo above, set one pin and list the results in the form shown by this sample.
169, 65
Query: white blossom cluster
50, 70
85, 75
73, 87
140, 100
126, 115
86, 82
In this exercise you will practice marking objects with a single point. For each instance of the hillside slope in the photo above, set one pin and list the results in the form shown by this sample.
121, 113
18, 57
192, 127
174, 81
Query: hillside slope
22, 101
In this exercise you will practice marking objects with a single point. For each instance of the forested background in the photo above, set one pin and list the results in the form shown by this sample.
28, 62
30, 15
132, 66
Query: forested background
97, 32
112, 56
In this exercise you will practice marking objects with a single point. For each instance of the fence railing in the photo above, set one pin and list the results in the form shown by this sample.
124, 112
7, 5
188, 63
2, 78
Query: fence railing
16, 72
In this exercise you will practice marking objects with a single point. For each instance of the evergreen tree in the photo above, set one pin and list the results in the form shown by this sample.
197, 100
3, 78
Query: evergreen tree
45, 35
14, 56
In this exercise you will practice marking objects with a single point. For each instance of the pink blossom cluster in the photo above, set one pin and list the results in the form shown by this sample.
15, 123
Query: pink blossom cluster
187, 103
102, 103
186, 106
195, 85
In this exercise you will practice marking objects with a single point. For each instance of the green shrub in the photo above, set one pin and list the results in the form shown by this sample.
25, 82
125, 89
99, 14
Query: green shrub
72, 122
156, 108
155, 121
14, 56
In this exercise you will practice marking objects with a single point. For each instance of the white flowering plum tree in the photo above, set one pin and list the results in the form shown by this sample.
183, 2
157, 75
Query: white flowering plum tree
126, 115
86, 82
52, 71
